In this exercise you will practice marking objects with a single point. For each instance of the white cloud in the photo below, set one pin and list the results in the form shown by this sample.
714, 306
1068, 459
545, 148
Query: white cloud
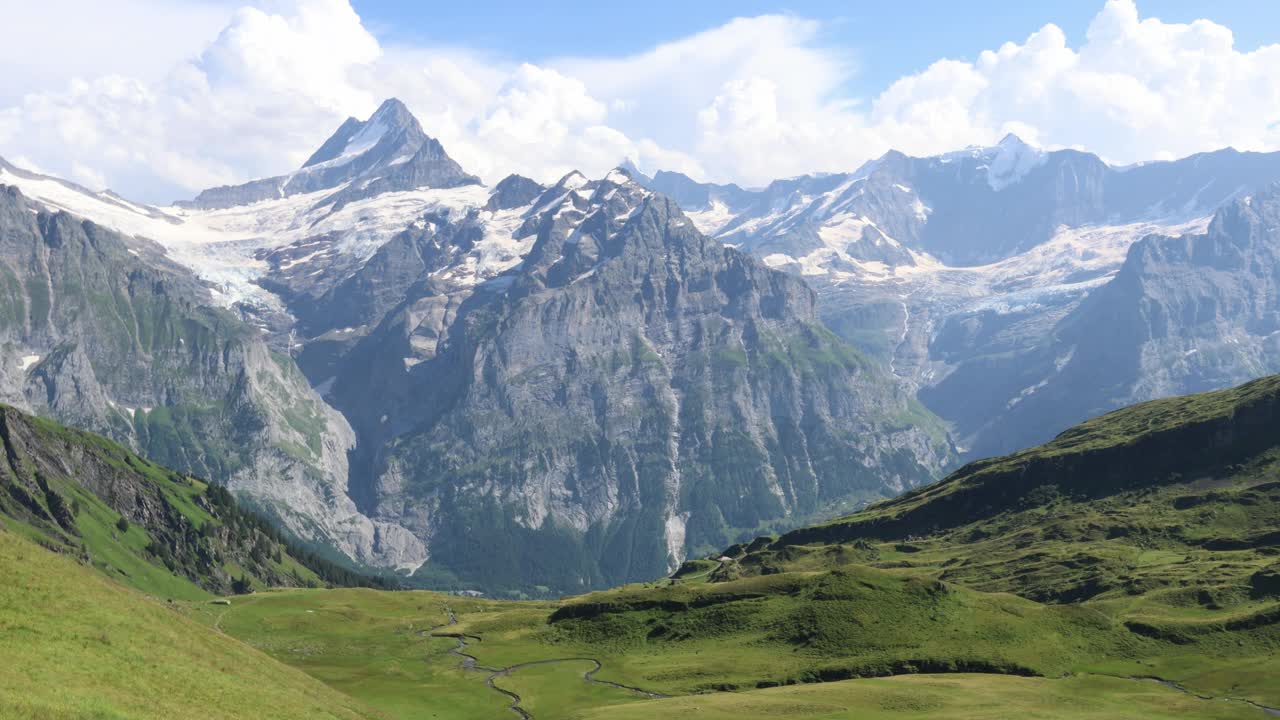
49, 41
754, 99
1136, 89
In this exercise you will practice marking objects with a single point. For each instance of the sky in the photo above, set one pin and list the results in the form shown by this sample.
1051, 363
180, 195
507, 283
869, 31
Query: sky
158, 99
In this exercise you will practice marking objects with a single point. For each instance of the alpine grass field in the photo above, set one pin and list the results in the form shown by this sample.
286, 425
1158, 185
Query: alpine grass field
1078, 579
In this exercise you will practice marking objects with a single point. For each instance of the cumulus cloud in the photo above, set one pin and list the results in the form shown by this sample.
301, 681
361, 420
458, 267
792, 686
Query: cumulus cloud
751, 100
52, 40
1136, 89
247, 105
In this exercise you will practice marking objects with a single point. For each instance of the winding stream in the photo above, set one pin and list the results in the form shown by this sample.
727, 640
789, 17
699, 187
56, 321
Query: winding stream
470, 662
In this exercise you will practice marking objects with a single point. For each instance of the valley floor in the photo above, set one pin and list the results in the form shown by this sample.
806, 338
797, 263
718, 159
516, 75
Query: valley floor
425, 655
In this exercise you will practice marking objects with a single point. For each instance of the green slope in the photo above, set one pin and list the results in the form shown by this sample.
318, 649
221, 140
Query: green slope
75, 644
1044, 584
160, 531
1182, 445
957, 697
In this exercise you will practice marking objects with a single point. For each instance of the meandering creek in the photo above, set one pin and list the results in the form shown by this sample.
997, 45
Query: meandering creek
470, 662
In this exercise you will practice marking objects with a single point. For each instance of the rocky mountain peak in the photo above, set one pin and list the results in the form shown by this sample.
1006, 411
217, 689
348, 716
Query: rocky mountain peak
391, 121
1011, 140
633, 171
388, 152
1011, 160
512, 192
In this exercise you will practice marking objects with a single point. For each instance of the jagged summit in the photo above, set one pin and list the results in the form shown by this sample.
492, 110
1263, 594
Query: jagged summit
635, 172
1012, 140
388, 152
391, 121
513, 191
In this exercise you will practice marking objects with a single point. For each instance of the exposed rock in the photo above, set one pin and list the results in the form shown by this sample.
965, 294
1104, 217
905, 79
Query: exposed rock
387, 152
1184, 314
514, 191
630, 391
98, 338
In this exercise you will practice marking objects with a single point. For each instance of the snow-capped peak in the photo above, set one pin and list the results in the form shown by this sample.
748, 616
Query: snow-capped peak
354, 138
619, 176
1012, 160
572, 181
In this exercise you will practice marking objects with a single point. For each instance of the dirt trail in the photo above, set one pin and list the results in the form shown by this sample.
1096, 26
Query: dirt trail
470, 662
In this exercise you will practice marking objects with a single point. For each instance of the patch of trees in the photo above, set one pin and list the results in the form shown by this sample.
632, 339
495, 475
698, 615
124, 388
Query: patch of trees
268, 541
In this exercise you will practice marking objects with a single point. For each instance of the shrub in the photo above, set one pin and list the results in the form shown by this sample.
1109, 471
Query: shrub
123, 524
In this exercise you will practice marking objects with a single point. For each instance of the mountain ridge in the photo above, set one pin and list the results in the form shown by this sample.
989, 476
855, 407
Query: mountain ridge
387, 152
638, 298
385, 300
373, 295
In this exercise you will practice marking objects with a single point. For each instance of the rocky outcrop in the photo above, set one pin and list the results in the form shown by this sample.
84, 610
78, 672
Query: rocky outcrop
512, 192
630, 391
1184, 314
98, 338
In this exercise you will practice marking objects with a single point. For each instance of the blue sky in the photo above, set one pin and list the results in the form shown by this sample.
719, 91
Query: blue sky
888, 39
158, 99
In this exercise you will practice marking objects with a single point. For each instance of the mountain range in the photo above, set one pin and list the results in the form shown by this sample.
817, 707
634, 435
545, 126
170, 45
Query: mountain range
1018, 289
523, 387
542, 388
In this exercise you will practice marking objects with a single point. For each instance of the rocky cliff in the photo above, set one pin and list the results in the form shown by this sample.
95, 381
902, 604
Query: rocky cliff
631, 390
97, 338
1184, 314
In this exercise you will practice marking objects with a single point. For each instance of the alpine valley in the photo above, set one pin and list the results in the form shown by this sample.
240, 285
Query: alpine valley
514, 387
537, 389
516, 408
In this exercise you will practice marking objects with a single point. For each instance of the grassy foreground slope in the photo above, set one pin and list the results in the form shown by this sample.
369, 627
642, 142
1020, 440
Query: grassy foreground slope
75, 644
386, 649
956, 697
1044, 584
1163, 518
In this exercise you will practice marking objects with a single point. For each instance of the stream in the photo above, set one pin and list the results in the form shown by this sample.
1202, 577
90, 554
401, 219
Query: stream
470, 662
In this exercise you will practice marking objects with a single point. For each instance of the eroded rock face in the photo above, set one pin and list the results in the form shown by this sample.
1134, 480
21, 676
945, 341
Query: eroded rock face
631, 390
547, 388
97, 338
958, 270
1184, 314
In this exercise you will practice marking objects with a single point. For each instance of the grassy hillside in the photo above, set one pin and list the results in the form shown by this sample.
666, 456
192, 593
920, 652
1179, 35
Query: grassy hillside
1181, 445
160, 531
1050, 584
75, 644
957, 697
1044, 584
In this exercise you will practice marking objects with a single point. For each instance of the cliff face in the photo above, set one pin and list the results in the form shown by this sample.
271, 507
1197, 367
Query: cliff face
1183, 314
632, 390
97, 338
